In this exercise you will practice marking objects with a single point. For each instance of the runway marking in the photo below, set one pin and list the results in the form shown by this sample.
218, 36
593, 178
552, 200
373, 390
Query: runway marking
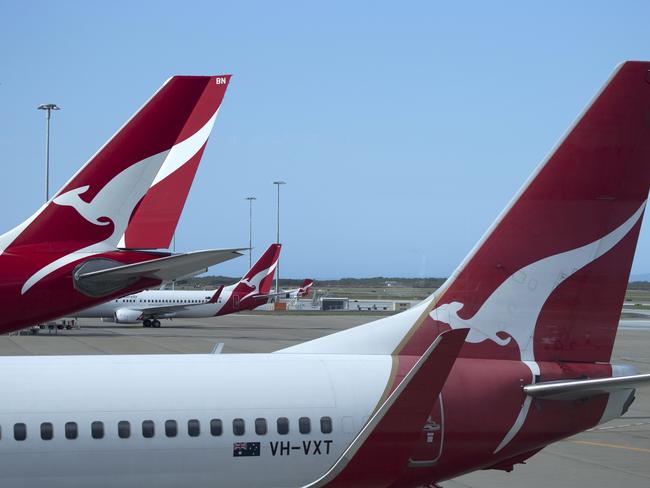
610, 427
613, 446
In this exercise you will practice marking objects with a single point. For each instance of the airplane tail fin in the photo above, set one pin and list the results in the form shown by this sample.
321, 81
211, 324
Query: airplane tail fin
93, 209
260, 276
548, 278
305, 288
153, 222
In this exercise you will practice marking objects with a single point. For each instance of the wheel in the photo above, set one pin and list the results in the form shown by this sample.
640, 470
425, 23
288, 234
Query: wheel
156, 323
146, 323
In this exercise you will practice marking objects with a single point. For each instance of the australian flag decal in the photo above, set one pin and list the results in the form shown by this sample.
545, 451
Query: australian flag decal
244, 449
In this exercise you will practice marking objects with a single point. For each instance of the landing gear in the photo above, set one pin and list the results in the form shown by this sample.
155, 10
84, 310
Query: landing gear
146, 323
156, 323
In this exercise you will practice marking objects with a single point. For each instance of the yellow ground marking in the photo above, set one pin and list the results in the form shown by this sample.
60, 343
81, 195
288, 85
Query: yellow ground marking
613, 446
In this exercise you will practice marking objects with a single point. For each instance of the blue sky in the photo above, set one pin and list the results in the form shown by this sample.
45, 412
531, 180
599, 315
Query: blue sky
401, 128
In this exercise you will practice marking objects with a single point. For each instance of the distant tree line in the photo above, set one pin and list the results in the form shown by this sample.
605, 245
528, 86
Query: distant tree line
375, 282
638, 285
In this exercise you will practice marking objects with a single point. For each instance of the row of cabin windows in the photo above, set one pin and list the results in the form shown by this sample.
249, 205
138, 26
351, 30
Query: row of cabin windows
71, 429
163, 301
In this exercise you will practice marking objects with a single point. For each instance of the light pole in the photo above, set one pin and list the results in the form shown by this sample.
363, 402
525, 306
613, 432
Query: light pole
277, 269
250, 231
48, 107
174, 251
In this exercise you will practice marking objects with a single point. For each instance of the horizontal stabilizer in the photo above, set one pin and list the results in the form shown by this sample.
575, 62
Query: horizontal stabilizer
573, 389
163, 269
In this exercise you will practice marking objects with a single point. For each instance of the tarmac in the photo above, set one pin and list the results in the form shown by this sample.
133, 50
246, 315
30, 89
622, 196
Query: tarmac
614, 454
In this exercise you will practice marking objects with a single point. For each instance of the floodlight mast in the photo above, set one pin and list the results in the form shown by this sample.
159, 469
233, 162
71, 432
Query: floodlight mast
47, 107
250, 231
277, 269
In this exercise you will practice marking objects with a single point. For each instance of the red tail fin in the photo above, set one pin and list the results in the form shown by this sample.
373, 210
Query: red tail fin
260, 276
305, 288
154, 221
547, 281
93, 208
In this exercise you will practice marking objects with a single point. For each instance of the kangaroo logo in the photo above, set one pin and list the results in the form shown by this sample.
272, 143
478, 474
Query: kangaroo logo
89, 211
254, 282
514, 307
112, 204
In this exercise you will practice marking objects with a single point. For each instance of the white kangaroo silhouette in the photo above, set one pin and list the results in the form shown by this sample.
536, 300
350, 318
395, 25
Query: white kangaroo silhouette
89, 211
255, 281
515, 305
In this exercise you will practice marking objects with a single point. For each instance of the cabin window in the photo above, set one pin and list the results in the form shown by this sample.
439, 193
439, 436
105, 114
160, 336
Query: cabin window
238, 427
171, 428
304, 425
260, 426
47, 431
216, 427
283, 426
20, 431
148, 429
124, 429
71, 430
193, 428
326, 425
97, 430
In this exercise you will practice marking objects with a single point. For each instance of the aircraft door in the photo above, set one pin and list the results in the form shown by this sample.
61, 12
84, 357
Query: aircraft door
235, 301
429, 445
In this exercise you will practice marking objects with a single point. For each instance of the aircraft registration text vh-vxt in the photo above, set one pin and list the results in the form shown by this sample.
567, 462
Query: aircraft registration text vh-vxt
511, 354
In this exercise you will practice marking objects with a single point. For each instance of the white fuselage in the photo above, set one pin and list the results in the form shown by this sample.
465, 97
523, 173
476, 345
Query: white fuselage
192, 304
182, 388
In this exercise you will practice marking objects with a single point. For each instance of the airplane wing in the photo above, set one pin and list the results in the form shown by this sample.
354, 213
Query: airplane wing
166, 268
157, 310
407, 406
574, 389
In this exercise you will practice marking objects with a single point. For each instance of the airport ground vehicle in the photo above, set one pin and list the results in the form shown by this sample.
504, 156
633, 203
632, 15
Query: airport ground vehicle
511, 354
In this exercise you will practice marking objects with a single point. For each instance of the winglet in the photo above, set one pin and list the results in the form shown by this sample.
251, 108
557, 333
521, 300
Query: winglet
405, 412
216, 295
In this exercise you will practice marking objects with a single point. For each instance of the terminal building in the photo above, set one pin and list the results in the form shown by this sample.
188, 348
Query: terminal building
343, 304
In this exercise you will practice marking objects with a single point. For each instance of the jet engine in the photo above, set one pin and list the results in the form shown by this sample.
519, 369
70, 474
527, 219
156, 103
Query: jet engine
127, 316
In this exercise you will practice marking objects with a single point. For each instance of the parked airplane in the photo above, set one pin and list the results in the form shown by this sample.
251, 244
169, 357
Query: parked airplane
72, 253
151, 305
303, 291
511, 354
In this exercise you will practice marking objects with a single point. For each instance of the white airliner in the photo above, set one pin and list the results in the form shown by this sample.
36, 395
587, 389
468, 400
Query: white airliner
511, 354
151, 305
